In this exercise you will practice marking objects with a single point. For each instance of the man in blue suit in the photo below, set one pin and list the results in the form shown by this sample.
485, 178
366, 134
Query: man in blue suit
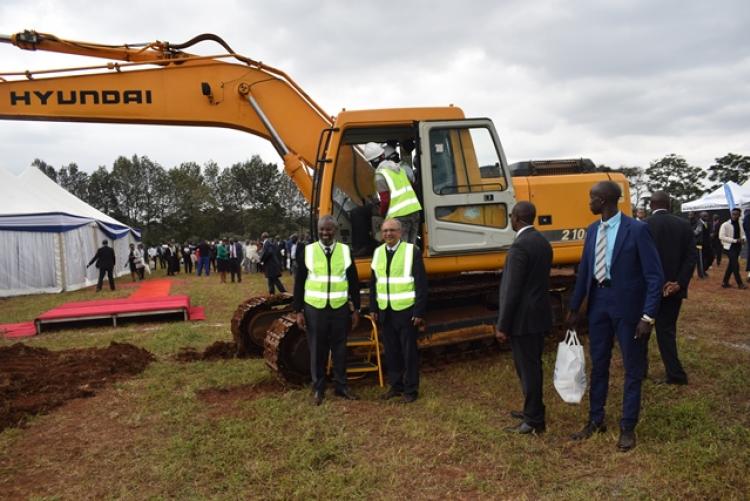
622, 277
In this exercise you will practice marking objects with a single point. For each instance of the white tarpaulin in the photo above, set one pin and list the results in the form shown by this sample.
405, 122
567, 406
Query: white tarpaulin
48, 235
717, 199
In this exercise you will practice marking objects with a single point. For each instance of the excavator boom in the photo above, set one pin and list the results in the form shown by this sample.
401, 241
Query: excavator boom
160, 84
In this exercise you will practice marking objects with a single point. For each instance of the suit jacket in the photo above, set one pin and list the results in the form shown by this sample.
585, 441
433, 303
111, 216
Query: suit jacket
674, 242
269, 256
524, 288
104, 258
726, 234
636, 272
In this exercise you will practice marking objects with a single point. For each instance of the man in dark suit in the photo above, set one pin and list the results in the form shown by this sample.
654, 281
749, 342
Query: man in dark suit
105, 261
325, 286
621, 275
398, 288
525, 314
269, 258
706, 248
674, 242
236, 254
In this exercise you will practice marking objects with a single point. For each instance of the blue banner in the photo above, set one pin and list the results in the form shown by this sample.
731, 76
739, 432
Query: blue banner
730, 197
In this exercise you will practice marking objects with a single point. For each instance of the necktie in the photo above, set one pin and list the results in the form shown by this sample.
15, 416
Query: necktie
328, 251
600, 263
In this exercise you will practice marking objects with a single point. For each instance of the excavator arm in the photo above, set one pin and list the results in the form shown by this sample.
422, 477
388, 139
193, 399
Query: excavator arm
160, 84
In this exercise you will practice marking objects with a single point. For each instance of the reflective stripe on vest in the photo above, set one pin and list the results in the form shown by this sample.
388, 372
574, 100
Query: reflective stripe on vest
403, 199
322, 288
395, 288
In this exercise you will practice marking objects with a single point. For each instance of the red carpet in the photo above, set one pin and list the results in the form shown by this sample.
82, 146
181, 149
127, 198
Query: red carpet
152, 288
152, 298
23, 329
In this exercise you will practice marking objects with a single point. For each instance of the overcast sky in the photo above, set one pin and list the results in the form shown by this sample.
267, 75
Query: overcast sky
622, 82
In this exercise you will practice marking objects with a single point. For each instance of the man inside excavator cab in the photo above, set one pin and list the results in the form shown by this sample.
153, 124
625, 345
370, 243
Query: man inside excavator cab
393, 183
357, 205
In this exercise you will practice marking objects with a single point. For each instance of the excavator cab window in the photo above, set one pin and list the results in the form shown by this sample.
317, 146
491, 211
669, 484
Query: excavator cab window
467, 196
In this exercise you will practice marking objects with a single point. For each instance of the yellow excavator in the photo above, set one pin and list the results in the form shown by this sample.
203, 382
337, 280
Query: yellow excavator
465, 185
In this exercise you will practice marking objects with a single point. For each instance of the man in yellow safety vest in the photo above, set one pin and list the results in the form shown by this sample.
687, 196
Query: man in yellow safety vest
325, 281
393, 182
398, 288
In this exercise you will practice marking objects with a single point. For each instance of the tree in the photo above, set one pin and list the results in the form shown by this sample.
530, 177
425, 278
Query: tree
637, 180
46, 168
100, 192
74, 180
730, 167
674, 175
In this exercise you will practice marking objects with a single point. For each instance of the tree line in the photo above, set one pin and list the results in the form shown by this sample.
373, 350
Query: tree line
189, 202
684, 182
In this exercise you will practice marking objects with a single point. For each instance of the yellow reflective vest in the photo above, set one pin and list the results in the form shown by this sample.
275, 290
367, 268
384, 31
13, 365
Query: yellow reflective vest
325, 286
395, 287
404, 200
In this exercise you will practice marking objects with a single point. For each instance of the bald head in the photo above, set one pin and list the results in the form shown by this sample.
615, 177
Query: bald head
525, 212
660, 200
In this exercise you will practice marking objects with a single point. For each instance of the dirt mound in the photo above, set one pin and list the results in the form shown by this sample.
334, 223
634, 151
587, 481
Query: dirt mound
36, 380
218, 351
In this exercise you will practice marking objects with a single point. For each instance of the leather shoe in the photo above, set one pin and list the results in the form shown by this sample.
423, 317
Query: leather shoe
525, 429
742, 286
671, 381
626, 440
346, 394
410, 397
589, 430
391, 393
318, 397
516, 414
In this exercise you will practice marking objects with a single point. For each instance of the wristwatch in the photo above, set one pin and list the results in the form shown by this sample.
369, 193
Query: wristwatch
648, 319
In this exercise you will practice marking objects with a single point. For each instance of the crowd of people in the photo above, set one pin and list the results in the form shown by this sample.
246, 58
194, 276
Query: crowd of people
228, 256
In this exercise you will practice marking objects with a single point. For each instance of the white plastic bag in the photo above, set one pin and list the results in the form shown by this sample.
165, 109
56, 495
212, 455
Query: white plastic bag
570, 369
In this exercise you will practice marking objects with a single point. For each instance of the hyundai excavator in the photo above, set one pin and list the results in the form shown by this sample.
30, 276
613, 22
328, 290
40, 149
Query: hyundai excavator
464, 183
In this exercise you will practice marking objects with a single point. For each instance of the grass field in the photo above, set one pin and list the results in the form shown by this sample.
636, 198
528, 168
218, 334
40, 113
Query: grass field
227, 430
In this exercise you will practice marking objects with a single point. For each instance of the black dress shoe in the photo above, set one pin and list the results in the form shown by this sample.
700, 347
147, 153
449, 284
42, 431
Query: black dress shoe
410, 397
318, 397
516, 414
526, 429
742, 286
346, 394
589, 430
725, 286
626, 440
391, 393
671, 381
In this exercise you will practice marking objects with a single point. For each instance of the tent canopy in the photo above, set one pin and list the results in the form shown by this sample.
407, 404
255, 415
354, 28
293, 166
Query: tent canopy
34, 202
48, 235
717, 199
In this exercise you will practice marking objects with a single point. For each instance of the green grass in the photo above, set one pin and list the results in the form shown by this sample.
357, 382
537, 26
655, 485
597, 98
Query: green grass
154, 436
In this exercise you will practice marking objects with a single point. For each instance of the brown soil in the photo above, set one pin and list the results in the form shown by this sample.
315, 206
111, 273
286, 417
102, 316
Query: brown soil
37, 380
226, 402
220, 350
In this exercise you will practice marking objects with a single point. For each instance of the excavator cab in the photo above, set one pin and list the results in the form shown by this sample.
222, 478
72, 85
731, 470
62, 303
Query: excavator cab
461, 179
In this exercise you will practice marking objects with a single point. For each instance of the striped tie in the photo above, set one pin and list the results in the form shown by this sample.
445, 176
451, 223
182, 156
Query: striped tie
600, 264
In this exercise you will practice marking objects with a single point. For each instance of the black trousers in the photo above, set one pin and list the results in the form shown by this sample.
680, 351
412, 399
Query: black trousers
527, 357
733, 268
401, 353
188, 264
110, 278
234, 269
708, 256
718, 250
327, 330
666, 338
275, 282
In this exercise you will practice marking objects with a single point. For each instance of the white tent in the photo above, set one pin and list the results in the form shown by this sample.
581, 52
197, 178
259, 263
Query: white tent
48, 235
717, 199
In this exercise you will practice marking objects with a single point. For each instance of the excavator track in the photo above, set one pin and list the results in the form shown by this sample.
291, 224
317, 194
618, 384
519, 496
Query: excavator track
253, 318
460, 324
